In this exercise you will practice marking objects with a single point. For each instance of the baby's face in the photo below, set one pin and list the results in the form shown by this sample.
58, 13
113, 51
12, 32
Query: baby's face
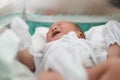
58, 29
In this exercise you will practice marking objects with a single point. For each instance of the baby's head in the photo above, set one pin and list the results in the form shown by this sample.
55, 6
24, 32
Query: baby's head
58, 29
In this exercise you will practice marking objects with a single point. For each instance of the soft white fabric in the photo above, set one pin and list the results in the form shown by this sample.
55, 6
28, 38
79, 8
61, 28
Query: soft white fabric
21, 29
10, 7
95, 34
68, 56
38, 41
9, 43
111, 32
39, 38
21, 72
10, 69
103, 36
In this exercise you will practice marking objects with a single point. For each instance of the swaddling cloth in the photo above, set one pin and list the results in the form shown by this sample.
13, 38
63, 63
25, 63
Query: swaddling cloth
68, 56
111, 32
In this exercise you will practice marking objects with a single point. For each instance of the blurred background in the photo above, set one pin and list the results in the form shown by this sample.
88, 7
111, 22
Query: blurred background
53, 7
82, 11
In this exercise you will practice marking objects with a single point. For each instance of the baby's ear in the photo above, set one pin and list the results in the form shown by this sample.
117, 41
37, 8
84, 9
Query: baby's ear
80, 34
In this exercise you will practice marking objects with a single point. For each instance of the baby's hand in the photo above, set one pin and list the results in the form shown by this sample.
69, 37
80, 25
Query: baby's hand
50, 76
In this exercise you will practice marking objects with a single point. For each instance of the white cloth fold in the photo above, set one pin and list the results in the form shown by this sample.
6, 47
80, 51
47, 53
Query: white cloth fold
22, 31
111, 32
9, 43
10, 68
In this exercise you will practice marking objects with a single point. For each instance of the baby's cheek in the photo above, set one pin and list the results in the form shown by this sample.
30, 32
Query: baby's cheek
48, 38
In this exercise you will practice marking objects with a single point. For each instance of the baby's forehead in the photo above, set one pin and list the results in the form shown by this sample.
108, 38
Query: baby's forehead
61, 22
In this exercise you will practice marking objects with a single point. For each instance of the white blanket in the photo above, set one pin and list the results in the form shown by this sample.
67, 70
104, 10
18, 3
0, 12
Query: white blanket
68, 56
10, 68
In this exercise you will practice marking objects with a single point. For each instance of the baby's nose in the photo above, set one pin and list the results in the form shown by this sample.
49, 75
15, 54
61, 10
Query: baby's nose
54, 28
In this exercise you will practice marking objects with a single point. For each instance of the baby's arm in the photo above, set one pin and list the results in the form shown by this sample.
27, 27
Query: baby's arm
26, 58
96, 72
108, 70
113, 51
50, 76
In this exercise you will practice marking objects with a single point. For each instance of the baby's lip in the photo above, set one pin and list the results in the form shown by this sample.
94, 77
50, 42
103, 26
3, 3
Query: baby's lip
55, 33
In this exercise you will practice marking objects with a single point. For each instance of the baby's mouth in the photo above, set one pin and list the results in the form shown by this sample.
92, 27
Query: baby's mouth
55, 33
